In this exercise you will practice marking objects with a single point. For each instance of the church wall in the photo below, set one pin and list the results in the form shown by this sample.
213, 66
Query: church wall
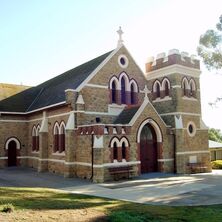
17, 130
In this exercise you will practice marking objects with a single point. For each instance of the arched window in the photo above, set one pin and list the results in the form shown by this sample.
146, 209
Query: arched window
192, 88
62, 137
34, 138
132, 94
114, 92
56, 137
185, 87
123, 150
157, 90
37, 137
115, 151
166, 88
123, 91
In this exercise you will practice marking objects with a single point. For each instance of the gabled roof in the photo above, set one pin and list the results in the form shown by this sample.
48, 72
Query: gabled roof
214, 144
126, 115
52, 91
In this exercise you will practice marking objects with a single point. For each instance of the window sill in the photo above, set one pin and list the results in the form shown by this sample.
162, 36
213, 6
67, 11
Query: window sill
166, 98
189, 98
116, 161
59, 154
35, 152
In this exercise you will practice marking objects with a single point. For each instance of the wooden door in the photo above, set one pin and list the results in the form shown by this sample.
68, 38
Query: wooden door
12, 157
148, 149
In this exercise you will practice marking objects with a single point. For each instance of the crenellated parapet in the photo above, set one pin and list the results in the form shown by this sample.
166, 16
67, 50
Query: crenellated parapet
173, 57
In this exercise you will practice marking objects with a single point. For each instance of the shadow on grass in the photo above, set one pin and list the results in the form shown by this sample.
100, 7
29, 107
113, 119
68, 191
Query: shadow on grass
48, 199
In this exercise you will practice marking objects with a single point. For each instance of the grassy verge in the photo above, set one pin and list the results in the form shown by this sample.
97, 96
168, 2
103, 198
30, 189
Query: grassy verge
53, 202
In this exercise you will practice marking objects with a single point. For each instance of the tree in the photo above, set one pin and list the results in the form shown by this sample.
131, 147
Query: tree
210, 47
215, 135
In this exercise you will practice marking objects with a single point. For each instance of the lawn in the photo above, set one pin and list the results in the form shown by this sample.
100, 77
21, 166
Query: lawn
38, 204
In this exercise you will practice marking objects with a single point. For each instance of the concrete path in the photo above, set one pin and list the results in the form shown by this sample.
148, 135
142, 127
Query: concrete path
166, 189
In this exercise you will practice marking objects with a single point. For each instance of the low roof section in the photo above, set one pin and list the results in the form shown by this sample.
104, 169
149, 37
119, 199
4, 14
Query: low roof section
214, 145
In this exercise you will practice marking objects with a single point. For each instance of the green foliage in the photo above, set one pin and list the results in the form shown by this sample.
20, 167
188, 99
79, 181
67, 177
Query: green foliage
215, 135
7, 208
209, 48
217, 164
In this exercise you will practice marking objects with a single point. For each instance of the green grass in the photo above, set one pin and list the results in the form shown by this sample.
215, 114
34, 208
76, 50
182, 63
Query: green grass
119, 211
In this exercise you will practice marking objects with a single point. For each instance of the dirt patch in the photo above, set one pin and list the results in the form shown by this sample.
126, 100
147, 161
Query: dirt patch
80, 215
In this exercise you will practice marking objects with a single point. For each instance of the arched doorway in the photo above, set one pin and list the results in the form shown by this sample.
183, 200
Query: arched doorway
148, 149
12, 155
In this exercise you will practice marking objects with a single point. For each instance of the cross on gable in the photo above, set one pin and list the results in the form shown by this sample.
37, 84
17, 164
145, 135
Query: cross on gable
120, 33
145, 91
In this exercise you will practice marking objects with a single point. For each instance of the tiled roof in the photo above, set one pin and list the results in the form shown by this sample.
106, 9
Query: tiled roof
126, 115
51, 91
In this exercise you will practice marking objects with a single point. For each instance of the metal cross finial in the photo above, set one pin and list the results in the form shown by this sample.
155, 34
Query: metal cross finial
120, 41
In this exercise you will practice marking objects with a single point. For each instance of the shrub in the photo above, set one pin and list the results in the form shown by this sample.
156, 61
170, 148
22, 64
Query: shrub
217, 164
124, 216
7, 208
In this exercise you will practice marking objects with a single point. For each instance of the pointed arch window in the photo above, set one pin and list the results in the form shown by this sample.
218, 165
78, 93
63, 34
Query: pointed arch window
192, 88
157, 90
166, 88
123, 91
123, 150
37, 137
62, 138
56, 137
34, 138
114, 92
185, 87
115, 151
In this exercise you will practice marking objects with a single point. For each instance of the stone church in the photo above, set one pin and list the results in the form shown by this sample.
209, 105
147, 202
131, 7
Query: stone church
107, 119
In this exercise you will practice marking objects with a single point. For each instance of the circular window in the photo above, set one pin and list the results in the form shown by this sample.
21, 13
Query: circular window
191, 129
123, 61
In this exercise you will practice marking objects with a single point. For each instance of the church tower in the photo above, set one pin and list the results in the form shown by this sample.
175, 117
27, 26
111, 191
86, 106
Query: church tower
174, 85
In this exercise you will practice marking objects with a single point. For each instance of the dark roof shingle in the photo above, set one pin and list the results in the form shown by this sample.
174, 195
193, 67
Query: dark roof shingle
51, 91
126, 115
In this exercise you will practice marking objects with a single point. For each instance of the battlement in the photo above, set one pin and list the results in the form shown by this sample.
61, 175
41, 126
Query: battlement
174, 57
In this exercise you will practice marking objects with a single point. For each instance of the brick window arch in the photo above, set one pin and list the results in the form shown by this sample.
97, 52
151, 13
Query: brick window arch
115, 151
123, 90
114, 91
156, 89
123, 150
185, 87
37, 137
192, 88
34, 138
62, 137
166, 86
133, 92
56, 137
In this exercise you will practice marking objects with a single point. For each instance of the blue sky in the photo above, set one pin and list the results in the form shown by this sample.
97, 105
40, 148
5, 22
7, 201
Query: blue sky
40, 39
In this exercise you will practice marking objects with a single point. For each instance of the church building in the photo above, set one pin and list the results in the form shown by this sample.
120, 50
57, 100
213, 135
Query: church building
106, 119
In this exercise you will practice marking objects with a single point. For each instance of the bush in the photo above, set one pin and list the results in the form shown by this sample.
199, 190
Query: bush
7, 208
124, 216
217, 164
